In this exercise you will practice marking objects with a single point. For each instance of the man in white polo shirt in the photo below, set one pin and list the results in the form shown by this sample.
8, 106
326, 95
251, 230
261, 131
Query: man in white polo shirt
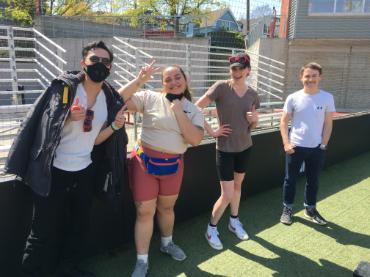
310, 112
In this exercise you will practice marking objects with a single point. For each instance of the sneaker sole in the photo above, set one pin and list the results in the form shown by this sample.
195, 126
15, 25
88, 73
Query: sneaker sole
176, 259
212, 245
313, 220
286, 222
232, 231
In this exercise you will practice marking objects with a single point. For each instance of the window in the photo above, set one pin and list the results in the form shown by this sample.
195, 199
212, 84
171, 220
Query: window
367, 6
349, 6
321, 6
226, 25
339, 7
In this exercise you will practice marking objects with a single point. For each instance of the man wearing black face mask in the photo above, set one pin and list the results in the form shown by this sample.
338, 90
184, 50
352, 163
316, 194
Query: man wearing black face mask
54, 154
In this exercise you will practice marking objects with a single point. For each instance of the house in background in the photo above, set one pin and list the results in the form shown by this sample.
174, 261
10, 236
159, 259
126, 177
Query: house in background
326, 19
334, 33
219, 20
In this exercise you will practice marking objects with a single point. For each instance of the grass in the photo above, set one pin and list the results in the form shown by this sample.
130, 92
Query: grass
302, 249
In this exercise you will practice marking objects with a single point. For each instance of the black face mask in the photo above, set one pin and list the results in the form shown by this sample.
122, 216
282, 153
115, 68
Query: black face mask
97, 72
172, 96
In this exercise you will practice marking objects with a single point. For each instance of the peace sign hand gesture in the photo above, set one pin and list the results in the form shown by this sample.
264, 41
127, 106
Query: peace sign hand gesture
146, 72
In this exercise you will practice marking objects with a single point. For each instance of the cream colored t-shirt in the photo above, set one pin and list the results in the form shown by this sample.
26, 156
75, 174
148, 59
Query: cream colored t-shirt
160, 127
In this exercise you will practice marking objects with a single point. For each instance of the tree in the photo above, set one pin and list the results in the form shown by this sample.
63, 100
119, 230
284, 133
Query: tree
20, 11
70, 7
171, 7
156, 11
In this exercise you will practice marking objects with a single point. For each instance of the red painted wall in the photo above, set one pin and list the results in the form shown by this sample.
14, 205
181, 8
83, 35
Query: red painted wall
284, 18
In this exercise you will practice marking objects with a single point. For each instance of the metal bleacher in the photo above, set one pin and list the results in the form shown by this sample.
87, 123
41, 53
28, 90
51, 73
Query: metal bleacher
29, 61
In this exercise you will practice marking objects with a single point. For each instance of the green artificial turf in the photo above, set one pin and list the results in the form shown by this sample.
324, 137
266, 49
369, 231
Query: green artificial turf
302, 249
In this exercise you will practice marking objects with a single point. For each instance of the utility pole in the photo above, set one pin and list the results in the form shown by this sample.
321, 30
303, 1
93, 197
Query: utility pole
248, 16
246, 40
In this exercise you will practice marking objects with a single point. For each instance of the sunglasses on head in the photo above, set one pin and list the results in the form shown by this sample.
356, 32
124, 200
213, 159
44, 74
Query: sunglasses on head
96, 59
237, 68
87, 125
239, 59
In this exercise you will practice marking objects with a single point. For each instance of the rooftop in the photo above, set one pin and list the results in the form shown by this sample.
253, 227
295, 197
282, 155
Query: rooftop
303, 249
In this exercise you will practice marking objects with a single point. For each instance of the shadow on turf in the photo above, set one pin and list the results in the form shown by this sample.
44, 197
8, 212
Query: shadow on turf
289, 263
260, 212
337, 232
263, 211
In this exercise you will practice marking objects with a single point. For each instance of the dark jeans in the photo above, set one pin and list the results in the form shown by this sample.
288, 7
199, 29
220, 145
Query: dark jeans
59, 222
314, 161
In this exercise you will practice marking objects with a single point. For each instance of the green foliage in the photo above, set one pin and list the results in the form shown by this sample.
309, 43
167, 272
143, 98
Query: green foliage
74, 7
171, 7
20, 11
227, 39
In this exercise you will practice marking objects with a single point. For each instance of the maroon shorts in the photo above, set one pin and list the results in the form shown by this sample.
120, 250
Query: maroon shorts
145, 186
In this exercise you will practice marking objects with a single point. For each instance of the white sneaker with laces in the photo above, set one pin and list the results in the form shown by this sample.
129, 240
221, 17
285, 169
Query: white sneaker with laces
212, 238
236, 227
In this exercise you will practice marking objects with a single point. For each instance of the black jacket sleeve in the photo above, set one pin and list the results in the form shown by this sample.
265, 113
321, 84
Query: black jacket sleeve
20, 151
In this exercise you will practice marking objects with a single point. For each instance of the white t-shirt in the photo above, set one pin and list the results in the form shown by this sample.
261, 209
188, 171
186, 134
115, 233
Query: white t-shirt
160, 127
308, 114
74, 150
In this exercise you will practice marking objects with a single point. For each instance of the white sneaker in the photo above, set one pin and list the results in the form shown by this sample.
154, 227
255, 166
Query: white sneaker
236, 227
213, 239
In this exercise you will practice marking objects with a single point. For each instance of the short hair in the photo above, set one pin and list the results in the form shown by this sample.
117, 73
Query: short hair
96, 44
311, 65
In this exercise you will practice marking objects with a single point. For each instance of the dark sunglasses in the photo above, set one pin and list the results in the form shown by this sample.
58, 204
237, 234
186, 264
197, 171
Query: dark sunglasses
96, 59
87, 125
239, 59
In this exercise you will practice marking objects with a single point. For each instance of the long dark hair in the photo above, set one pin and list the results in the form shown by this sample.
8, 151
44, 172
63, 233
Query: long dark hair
187, 92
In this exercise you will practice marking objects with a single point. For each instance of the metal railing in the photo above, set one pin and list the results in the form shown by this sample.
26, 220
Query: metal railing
41, 61
28, 62
204, 65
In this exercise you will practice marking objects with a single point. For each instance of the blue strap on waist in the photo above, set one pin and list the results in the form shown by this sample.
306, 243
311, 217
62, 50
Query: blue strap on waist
142, 155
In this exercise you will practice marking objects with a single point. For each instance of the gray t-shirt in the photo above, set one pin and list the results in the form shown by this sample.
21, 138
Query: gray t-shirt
232, 109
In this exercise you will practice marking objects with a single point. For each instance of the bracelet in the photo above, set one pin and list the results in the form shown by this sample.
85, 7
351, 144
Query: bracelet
114, 127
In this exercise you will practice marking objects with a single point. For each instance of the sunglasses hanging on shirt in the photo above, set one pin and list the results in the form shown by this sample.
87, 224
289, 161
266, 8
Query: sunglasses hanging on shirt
87, 125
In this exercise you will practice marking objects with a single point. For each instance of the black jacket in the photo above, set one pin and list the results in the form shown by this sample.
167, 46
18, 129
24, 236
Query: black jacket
31, 155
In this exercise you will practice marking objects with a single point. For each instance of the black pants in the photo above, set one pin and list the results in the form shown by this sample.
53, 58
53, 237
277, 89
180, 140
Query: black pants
314, 161
59, 222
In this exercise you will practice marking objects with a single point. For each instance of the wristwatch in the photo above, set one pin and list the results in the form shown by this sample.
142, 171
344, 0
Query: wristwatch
323, 146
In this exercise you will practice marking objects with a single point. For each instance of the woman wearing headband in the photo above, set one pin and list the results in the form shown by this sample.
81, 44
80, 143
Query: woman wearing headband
236, 105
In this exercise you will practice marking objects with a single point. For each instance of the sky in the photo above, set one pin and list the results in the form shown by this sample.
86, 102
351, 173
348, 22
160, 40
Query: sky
238, 7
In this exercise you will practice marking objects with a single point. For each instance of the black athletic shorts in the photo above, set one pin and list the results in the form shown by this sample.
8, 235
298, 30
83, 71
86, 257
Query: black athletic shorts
229, 162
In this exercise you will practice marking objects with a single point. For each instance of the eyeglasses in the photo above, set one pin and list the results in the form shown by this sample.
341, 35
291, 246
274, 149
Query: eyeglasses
239, 59
95, 59
87, 126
